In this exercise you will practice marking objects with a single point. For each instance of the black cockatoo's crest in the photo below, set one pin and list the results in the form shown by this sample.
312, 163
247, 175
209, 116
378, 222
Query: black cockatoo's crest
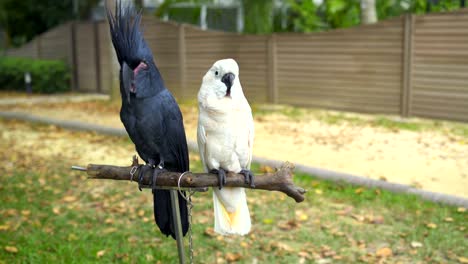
139, 74
127, 38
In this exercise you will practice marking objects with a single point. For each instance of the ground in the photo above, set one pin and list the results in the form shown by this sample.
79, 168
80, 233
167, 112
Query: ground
50, 214
427, 154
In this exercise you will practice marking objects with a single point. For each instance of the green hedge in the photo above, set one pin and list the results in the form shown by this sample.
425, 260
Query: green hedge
48, 76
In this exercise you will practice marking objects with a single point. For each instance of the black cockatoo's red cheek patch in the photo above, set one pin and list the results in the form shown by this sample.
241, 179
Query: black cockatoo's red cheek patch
141, 66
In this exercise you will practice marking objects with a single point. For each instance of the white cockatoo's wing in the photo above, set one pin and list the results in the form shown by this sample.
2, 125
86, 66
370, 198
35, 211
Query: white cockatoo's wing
250, 138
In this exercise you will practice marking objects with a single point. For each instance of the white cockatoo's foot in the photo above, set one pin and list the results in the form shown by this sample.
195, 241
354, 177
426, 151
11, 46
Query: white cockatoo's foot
221, 176
249, 177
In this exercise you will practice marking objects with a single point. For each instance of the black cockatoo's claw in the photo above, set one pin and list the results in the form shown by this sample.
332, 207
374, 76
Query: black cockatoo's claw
141, 174
221, 176
249, 177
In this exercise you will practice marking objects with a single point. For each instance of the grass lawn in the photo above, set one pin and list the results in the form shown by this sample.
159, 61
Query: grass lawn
50, 214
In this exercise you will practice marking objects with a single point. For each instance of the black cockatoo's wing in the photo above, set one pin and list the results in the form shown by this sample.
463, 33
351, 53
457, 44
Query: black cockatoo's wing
175, 154
164, 135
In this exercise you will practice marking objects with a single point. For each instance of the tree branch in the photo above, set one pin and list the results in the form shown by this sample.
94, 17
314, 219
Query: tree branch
280, 181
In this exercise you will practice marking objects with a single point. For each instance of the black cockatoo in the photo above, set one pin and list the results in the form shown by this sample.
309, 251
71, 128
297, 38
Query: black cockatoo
149, 112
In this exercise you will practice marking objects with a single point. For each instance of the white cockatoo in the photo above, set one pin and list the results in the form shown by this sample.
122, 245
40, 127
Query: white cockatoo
225, 140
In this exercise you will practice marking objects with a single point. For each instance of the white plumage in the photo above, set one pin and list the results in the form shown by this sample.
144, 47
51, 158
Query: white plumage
225, 140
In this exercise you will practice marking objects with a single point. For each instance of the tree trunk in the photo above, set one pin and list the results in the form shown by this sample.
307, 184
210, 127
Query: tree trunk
368, 12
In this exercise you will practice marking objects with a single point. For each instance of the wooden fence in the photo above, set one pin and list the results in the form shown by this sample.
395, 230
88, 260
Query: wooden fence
409, 66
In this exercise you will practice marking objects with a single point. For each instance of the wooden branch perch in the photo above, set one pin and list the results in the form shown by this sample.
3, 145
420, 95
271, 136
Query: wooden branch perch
280, 181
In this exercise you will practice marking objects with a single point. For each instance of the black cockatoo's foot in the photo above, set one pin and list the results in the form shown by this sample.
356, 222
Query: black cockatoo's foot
157, 170
221, 176
249, 177
141, 174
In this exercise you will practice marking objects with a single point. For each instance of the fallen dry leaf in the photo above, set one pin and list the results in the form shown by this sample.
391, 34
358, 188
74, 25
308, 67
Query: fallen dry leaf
461, 209
359, 190
301, 216
69, 199
11, 212
149, 257
415, 244
233, 257
304, 254
100, 253
384, 252
326, 251
56, 210
374, 219
25, 212
11, 249
72, 237
132, 239
431, 225
324, 261
282, 246
4, 227
345, 211
361, 244
209, 231
109, 230
289, 225
462, 260
359, 218
448, 219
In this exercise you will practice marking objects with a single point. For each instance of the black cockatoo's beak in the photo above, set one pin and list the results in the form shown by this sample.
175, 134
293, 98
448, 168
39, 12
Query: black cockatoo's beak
127, 79
228, 80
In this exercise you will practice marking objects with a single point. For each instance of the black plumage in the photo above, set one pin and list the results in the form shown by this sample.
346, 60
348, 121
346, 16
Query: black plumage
149, 112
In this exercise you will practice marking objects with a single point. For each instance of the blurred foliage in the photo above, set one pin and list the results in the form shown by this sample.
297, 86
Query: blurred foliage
165, 7
263, 16
258, 16
48, 76
303, 17
22, 20
341, 13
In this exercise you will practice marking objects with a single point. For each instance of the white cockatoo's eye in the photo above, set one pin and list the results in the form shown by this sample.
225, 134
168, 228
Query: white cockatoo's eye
216, 73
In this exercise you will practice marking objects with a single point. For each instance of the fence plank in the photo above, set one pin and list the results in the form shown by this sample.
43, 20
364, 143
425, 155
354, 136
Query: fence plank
182, 60
272, 87
440, 80
407, 65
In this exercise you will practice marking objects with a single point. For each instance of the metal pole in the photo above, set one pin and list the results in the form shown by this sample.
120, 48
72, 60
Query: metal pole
177, 225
